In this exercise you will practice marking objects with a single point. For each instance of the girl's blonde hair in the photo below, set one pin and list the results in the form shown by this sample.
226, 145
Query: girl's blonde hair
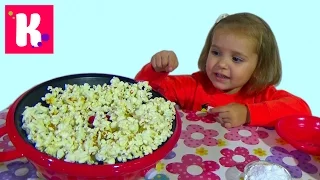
268, 71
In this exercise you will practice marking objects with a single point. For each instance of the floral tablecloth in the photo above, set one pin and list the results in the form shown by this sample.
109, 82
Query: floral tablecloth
206, 150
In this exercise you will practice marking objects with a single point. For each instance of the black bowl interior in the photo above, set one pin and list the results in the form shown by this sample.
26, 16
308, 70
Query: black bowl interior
34, 95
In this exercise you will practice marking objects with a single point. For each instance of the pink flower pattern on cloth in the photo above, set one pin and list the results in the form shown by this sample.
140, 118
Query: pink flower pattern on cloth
5, 144
199, 116
3, 115
234, 134
188, 160
206, 139
228, 154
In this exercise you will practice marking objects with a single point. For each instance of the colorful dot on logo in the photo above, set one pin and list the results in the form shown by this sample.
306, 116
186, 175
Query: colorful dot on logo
10, 13
45, 37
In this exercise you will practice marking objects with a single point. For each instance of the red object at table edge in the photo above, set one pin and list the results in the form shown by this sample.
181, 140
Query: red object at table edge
302, 132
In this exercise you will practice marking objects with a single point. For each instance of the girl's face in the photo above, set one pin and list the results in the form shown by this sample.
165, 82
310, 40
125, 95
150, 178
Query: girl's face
231, 61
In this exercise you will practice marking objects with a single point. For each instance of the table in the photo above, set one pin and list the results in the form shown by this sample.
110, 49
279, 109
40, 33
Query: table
205, 150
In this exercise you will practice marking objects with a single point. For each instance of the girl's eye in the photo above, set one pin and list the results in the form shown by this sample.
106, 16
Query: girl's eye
237, 59
216, 53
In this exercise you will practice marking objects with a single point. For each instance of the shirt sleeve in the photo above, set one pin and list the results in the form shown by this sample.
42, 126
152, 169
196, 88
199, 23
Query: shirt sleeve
176, 88
276, 104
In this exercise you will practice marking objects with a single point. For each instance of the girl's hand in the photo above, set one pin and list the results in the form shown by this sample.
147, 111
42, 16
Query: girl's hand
164, 61
231, 115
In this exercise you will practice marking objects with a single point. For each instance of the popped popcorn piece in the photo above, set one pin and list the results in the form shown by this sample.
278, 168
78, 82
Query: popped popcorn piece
106, 123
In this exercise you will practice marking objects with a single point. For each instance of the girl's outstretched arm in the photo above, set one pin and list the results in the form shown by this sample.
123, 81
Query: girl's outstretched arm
177, 88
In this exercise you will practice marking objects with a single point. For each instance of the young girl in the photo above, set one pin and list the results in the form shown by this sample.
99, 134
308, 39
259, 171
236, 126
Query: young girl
239, 69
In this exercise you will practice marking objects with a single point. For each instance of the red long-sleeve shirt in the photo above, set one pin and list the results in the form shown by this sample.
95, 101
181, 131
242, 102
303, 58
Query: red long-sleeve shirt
192, 91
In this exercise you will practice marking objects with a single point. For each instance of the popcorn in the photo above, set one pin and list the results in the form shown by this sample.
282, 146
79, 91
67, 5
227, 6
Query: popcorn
127, 123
